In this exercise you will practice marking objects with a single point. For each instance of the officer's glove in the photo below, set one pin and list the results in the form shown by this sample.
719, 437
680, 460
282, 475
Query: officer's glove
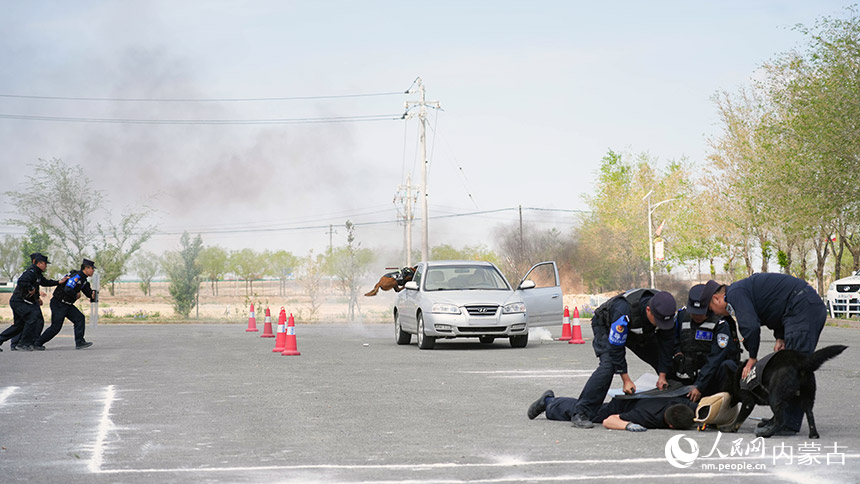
635, 427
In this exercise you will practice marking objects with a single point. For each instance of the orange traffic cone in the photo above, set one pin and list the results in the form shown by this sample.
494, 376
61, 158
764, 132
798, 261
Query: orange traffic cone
282, 335
565, 326
576, 329
290, 344
267, 325
252, 321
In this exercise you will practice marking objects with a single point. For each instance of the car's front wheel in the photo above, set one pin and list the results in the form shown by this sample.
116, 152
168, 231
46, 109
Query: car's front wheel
519, 341
400, 336
424, 342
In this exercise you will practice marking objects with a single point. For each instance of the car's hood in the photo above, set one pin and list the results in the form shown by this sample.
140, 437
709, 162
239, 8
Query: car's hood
463, 298
849, 280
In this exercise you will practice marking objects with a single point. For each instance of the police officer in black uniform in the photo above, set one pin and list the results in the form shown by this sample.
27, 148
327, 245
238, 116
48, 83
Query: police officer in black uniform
642, 320
706, 346
26, 302
63, 306
14, 341
634, 415
789, 306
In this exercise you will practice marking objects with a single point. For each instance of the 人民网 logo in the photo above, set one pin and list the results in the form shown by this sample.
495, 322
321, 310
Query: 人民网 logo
677, 456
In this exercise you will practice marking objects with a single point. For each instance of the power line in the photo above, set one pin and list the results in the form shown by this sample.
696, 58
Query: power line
335, 119
202, 100
236, 230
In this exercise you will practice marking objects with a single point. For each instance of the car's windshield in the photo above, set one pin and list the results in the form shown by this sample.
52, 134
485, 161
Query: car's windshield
464, 278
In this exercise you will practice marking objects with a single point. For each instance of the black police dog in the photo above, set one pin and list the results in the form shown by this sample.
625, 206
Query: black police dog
788, 376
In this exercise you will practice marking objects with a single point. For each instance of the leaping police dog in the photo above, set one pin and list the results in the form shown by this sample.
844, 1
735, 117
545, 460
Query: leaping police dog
393, 280
777, 380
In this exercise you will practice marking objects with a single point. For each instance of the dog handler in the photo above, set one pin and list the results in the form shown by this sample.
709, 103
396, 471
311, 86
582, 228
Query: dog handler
642, 320
789, 306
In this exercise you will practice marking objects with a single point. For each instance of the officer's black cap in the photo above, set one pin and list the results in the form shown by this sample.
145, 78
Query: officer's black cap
708, 291
39, 257
695, 304
663, 308
88, 263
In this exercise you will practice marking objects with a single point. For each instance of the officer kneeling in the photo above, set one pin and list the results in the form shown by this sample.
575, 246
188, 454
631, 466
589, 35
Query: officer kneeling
642, 320
63, 306
706, 345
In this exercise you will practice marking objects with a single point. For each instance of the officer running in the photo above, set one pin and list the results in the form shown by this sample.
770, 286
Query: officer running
789, 306
25, 303
63, 306
706, 346
640, 319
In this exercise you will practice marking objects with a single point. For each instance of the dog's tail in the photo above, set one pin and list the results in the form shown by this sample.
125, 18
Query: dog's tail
815, 360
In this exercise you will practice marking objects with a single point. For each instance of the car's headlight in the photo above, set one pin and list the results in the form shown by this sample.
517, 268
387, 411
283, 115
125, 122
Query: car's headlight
832, 287
516, 307
446, 308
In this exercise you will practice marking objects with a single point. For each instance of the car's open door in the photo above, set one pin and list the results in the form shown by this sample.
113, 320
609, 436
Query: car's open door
540, 289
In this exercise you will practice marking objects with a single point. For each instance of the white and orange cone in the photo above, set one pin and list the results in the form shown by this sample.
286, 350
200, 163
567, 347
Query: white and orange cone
267, 325
576, 339
282, 332
565, 326
290, 348
252, 321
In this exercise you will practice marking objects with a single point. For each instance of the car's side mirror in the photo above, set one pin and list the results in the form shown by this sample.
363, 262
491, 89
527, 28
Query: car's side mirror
527, 284
411, 285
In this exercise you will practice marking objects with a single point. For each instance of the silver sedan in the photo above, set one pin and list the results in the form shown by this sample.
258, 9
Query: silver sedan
472, 299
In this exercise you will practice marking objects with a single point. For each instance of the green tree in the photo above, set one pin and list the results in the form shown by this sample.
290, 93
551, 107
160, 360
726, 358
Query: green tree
10, 256
612, 245
281, 265
311, 271
214, 262
36, 240
183, 272
118, 242
249, 266
147, 266
68, 217
349, 264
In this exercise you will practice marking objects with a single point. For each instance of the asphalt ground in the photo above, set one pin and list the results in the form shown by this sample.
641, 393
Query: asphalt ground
213, 403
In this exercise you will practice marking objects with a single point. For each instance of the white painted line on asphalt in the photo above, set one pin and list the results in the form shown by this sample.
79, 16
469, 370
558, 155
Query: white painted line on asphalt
104, 426
5, 394
565, 478
529, 372
513, 463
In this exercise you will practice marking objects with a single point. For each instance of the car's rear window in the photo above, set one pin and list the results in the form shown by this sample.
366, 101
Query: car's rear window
464, 278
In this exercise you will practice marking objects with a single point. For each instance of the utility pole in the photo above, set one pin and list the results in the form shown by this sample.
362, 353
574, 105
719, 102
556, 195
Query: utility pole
422, 117
522, 246
407, 218
331, 231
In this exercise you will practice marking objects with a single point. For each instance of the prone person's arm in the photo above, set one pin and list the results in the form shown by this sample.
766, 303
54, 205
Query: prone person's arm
614, 422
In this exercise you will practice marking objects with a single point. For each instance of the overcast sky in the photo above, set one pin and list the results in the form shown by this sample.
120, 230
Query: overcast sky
533, 95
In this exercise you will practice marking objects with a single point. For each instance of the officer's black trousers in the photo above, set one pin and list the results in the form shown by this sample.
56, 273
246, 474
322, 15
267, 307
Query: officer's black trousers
27, 321
59, 312
803, 323
594, 391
